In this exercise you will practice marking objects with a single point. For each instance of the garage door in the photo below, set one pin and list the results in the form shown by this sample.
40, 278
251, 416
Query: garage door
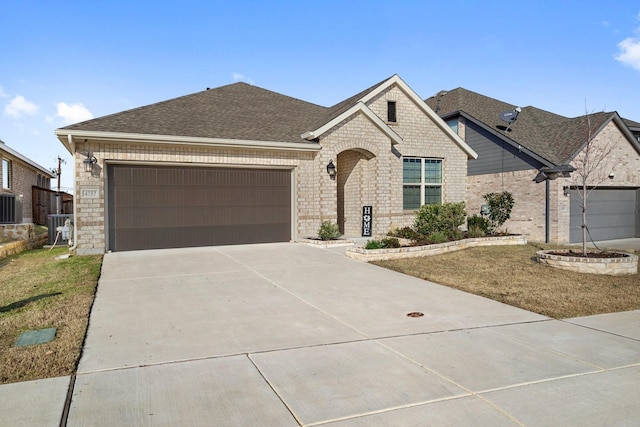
611, 214
152, 207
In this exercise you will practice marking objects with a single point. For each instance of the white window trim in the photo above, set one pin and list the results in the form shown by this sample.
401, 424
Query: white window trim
423, 185
6, 164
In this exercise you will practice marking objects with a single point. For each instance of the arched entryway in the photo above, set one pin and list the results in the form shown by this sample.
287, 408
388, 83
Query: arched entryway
356, 187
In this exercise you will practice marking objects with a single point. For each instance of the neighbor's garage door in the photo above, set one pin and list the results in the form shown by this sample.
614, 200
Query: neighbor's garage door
611, 214
153, 207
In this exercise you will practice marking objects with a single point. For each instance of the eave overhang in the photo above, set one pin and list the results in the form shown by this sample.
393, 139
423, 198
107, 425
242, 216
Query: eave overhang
69, 138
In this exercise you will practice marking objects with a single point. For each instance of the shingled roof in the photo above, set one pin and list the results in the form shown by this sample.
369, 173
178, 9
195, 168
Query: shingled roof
4, 147
236, 111
242, 114
632, 124
554, 138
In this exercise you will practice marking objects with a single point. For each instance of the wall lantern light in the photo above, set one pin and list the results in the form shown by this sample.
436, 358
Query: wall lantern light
551, 173
331, 169
89, 162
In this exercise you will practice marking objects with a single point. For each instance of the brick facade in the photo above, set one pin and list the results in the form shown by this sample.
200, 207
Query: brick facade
369, 171
370, 168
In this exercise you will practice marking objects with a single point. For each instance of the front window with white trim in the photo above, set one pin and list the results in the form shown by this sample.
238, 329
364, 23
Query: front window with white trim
421, 182
6, 174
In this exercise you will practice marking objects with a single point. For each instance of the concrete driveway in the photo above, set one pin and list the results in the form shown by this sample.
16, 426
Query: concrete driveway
289, 334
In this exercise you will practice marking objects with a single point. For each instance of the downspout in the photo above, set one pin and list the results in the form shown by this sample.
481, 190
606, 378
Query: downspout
75, 198
546, 211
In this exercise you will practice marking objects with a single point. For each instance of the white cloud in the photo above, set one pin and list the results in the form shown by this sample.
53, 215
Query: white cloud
73, 113
3, 94
629, 52
19, 107
238, 77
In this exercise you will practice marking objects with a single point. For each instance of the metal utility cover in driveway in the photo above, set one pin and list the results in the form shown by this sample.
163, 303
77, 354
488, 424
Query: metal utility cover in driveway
39, 336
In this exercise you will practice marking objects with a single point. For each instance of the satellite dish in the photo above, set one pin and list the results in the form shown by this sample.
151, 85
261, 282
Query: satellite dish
510, 116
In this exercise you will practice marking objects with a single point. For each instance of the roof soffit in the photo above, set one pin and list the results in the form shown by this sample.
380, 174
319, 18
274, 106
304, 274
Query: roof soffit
70, 137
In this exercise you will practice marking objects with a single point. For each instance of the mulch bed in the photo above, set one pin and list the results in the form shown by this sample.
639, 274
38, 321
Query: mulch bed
599, 255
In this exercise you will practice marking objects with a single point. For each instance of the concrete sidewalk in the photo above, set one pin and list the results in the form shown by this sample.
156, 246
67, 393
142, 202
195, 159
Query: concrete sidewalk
289, 334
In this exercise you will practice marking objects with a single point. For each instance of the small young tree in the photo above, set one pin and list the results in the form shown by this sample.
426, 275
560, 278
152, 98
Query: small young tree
500, 206
593, 165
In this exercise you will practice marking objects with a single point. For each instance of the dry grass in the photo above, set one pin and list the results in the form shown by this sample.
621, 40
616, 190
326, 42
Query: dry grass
36, 292
509, 274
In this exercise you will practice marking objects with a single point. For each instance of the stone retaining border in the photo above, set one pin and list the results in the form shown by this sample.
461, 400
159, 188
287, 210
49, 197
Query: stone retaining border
610, 266
363, 254
18, 246
328, 243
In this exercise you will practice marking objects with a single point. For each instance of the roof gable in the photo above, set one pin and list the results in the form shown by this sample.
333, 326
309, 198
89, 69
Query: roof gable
358, 103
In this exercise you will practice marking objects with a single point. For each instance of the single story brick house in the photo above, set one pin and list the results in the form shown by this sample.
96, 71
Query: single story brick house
240, 164
512, 153
18, 174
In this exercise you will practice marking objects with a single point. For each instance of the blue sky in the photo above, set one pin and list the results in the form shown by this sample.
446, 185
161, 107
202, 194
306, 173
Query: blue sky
67, 61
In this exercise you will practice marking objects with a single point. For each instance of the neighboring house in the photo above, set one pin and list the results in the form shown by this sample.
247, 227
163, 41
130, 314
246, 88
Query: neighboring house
510, 156
634, 127
240, 164
18, 175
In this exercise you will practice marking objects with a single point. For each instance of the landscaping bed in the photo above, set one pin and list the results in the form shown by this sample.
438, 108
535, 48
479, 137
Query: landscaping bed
605, 262
364, 254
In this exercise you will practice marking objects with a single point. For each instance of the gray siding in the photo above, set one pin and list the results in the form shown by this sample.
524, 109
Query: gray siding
494, 155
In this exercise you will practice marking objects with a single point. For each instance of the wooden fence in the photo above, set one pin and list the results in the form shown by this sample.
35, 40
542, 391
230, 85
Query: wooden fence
45, 203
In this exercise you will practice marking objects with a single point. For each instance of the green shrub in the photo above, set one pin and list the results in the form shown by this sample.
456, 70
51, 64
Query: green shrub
390, 242
438, 237
387, 242
456, 234
373, 244
405, 233
478, 226
475, 231
500, 205
444, 218
328, 231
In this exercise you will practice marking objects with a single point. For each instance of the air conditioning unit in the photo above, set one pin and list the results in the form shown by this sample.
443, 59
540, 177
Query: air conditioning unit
10, 209
60, 228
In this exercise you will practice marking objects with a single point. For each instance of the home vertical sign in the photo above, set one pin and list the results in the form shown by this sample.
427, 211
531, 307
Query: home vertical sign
367, 221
